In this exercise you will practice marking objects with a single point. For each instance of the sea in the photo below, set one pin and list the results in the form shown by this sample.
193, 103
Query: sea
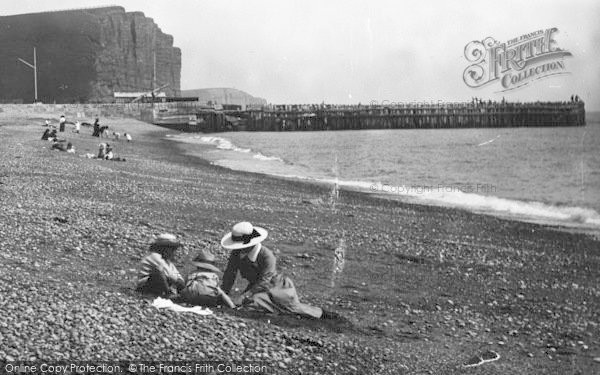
542, 175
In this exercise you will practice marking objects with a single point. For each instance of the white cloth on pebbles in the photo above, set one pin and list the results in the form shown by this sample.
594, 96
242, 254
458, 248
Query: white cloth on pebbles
163, 303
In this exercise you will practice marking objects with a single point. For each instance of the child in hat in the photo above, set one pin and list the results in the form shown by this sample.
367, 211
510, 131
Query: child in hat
202, 286
158, 275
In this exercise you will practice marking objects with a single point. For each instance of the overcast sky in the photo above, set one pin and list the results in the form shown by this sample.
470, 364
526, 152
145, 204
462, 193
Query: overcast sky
361, 51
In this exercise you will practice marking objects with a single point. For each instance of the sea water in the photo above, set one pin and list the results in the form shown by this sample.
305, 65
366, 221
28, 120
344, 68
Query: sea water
548, 175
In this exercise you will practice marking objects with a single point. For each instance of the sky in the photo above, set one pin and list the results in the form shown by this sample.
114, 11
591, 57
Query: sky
353, 51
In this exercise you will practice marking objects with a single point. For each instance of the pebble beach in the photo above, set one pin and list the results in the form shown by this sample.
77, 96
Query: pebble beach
424, 289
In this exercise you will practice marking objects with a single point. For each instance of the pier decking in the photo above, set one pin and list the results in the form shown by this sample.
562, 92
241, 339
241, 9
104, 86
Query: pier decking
418, 116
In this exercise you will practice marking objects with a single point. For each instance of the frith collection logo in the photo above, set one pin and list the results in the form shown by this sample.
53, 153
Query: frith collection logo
515, 63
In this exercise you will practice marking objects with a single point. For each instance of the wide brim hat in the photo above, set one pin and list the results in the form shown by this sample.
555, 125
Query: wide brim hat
243, 235
166, 240
206, 266
205, 260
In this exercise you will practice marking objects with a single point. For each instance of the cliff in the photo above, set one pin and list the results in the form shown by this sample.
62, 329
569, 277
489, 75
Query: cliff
85, 55
224, 96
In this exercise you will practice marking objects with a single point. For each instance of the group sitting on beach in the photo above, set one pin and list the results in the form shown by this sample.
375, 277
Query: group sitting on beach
105, 151
268, 290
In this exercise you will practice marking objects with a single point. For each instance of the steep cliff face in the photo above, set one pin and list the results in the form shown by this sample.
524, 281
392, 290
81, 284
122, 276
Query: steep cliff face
85, 55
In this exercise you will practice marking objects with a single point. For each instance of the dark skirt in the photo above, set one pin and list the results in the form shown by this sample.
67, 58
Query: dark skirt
282, 298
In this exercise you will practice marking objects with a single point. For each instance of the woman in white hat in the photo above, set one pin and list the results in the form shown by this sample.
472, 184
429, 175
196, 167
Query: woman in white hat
158, 275
267, 289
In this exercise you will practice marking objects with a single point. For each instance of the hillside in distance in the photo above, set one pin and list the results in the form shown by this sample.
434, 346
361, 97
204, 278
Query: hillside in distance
224, 96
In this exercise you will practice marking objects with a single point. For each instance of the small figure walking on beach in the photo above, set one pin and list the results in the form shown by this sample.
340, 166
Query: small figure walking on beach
128, 137
62, 123
77, 127
96, 132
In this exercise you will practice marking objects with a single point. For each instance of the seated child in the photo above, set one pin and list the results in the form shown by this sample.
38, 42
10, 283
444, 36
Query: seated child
102, 150
109, 153
202, 286
46, 135
53, 137
158, 275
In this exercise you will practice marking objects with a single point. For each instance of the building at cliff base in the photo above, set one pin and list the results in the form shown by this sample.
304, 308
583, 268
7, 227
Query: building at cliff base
85, 55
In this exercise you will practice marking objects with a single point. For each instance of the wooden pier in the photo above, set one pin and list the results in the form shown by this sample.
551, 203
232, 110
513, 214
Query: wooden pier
356, 117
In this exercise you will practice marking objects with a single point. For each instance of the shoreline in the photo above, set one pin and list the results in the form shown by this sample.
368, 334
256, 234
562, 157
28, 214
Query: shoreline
191, 149
425, 288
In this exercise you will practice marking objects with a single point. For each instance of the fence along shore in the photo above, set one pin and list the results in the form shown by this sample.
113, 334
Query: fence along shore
356, 117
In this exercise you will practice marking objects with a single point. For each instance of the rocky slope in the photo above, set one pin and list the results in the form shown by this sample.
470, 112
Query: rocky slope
85, 55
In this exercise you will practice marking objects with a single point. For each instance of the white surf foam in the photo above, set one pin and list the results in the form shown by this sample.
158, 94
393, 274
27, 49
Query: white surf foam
493, 204
518, 209
225, 144
536, 211
262, 157
488, 142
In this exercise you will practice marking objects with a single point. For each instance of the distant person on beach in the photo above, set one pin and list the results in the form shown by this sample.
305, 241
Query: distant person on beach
46, 135
128, 137
104, 131
47, 123
59, 146
61, 123
158, 275
109, 153
202, 286
52, 136
102, 150
105, 152
96, 132
77, 127
117, 135
267, 289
